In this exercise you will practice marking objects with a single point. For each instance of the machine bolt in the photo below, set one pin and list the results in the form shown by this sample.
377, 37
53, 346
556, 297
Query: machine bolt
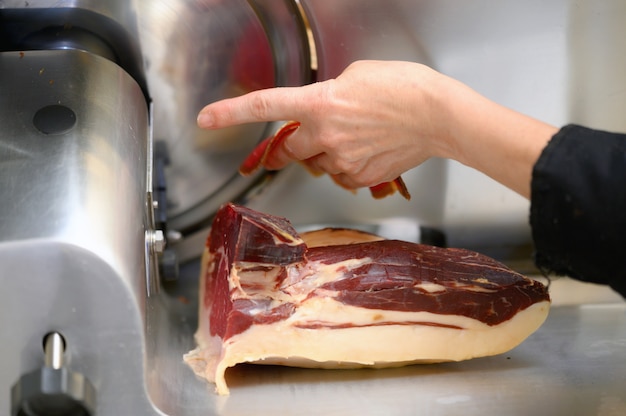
156, 240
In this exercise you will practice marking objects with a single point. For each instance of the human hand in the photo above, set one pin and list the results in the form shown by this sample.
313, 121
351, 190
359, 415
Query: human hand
365, 127
379, 119
263, 153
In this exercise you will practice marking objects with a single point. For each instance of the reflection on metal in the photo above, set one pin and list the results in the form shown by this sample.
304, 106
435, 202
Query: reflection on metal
309, 35
54, 347
104, 28
199, 52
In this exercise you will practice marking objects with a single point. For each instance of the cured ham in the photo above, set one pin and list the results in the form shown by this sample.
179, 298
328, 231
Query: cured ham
349, 299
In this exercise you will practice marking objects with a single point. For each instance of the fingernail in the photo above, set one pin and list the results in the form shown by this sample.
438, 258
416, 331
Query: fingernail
205, 119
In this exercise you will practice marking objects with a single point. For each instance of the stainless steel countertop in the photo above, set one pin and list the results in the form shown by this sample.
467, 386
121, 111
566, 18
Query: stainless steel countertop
575, 364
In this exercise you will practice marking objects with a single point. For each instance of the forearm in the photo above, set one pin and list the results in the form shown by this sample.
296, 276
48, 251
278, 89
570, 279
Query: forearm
379, 119
493, 139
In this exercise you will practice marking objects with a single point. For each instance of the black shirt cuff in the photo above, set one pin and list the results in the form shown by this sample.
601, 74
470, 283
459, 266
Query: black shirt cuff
578, 206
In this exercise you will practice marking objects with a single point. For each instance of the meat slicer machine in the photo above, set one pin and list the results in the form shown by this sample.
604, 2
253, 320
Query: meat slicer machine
78, 237
79, 241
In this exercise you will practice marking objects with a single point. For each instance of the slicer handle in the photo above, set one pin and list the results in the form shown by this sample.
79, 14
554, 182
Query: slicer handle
53, 389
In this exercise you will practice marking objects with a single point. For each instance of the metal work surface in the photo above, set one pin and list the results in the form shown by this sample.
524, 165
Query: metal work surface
573, 365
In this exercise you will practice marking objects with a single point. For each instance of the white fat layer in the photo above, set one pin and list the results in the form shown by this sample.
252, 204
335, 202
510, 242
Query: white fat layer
430, 287
250, 281
203, 323
288, 238
381, 344
329, 334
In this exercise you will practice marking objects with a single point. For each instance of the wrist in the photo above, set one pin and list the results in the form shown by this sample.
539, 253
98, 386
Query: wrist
501, 143
449, 107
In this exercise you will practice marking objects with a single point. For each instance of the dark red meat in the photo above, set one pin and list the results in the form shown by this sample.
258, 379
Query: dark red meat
393, 275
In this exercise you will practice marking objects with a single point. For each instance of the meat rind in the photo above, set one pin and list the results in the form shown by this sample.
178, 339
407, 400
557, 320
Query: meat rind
331, 236
378, 346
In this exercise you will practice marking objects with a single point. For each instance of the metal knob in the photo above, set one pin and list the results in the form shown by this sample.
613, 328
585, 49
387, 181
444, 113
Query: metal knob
53, 389
54, 347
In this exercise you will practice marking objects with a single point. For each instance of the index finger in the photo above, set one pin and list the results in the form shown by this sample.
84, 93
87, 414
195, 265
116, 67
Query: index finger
273, 104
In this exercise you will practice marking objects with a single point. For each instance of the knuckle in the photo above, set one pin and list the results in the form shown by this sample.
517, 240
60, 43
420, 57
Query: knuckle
362, 181
259, 106
326, 142
345, 166
320, 101
367, 177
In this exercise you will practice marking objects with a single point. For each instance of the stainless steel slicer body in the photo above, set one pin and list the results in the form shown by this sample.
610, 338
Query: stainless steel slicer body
75, 227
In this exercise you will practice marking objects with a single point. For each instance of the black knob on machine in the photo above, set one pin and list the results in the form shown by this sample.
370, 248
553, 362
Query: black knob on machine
53, 389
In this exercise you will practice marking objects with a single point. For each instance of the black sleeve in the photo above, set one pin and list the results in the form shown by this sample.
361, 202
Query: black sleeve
578, 206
